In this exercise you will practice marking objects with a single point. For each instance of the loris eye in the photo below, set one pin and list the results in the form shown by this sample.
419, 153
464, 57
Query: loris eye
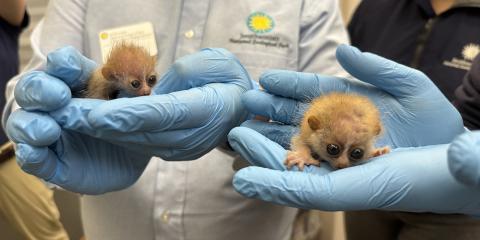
356, 154
152, 80
333, 149
135, 83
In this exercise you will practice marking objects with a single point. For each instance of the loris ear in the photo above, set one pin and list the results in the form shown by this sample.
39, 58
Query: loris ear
313, 122
107, 73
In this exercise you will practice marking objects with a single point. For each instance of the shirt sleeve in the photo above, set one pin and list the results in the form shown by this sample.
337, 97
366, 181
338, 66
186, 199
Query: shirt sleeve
62, 25
322, 30
467, 97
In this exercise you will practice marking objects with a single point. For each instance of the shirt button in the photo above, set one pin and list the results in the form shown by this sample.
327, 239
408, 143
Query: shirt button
189, 34
165, 216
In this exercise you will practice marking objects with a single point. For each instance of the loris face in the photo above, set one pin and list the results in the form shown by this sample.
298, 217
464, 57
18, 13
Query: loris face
132, 83
340, 152
343, 142
138, 85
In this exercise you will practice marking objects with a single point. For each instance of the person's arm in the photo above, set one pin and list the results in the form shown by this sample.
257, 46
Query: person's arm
467, 97
322, 30
12, 11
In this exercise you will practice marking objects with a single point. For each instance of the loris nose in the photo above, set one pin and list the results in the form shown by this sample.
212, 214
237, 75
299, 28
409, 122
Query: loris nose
146, 92
341, 165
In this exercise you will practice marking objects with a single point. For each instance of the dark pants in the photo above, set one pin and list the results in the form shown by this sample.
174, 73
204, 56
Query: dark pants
382, 225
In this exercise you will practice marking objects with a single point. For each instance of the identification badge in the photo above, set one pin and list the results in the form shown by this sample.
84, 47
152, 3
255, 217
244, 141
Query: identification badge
141, 34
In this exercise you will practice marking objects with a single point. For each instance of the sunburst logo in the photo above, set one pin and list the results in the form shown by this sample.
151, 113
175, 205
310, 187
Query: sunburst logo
470, 51
103, 35
259, 22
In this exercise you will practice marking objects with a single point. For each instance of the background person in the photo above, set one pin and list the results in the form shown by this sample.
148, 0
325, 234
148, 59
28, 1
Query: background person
439, 38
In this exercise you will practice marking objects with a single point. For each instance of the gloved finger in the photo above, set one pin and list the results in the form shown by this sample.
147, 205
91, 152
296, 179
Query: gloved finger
300, 86
281, 134
38, 161
367, 186
394, 78
38, 91
178, 110
464, 158
33, 128
69, 65
250, 144
176, 145
210, 65
74, 115
167, 153
290, 188
260, 151
279, 109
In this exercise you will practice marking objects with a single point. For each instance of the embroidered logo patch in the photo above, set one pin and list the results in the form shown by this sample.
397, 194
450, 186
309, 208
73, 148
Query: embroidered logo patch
259, 22
470, 51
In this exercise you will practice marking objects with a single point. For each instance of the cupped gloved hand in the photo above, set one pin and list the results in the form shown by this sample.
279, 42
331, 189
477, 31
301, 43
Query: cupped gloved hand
414, 113
192, 109
464, 158
407, 179
408, 100
94, 146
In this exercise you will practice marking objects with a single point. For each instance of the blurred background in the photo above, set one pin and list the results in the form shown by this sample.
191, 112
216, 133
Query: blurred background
68, 203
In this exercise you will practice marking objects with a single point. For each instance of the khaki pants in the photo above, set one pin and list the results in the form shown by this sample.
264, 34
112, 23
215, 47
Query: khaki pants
381, 225
28, 204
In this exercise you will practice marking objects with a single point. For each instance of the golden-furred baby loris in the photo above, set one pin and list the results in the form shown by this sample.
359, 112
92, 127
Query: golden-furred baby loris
128, 68
338, 128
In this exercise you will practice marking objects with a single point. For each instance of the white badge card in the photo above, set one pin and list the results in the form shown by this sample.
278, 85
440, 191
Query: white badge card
141, 34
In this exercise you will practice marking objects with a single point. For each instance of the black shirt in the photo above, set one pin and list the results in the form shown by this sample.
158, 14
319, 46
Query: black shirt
9, 62
409, 32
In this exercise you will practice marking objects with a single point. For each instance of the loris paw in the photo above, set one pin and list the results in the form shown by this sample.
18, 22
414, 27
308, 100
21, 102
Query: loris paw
296, 158
380, 151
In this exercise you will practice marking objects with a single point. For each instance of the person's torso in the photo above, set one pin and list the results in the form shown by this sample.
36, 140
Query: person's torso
261, 34
195, 200
409, 32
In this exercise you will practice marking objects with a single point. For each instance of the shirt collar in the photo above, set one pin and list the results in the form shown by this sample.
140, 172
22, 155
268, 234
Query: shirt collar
426, 6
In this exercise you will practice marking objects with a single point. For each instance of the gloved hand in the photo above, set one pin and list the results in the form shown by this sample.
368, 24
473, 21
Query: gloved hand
94, 146
464, 158
414, 113
408, 101
407, 179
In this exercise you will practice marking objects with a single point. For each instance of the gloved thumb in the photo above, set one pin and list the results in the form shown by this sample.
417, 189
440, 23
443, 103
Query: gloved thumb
69, 65
464, 158
392, 77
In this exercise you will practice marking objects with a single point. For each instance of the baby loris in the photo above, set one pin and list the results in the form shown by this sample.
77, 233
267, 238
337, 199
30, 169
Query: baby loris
338, 128
129, 70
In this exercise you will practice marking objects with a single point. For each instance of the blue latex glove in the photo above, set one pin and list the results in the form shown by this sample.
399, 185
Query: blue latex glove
464, 158
94, 146
407, 179
414, 113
